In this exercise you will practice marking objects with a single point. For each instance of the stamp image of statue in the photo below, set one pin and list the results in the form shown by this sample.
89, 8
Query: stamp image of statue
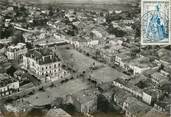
155, 22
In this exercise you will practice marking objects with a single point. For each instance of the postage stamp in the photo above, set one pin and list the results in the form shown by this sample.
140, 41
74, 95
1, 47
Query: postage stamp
155, 22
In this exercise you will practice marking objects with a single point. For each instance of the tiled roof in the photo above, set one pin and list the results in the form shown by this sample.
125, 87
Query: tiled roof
121, 95
5, 80
135, 106
43, 55
85, 96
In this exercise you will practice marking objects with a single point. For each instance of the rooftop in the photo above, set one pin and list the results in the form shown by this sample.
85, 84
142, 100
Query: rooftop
5, 80
137, 79
136, 107
159, 77
84, 96
153, 92
57, 113
142, 62
43, 55
124, 54
17, 47
121, 95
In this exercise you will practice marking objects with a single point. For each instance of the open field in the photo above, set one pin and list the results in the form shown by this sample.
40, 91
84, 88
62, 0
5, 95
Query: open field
46, 97
79, 61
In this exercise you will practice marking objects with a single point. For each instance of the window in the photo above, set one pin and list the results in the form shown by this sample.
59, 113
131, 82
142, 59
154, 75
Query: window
46, 67
50, 67
54, 65
42, 74
32, 63
42, 68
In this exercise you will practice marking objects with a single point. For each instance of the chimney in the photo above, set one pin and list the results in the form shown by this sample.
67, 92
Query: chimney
50, 57
43, 58
31, 55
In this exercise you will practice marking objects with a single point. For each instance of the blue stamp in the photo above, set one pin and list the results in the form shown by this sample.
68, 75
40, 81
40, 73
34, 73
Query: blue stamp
155, 22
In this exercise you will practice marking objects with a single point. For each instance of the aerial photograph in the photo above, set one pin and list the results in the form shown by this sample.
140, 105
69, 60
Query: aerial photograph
85, 58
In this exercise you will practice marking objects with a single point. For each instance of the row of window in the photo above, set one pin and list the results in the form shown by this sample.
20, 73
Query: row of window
51, 72
50, 66
8, 92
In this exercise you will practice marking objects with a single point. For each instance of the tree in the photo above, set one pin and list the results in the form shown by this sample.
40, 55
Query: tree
11, 70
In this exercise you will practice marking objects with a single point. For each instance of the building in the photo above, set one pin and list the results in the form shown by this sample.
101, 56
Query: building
141, 64
95, 35
120, 96
92, 43
44, 64
159, 78
16, 52
135, 108
163, 105
121, 58
3, 4
86, 100
151, 95
8, 85
134, 90
57, 113
3, 59
155, 113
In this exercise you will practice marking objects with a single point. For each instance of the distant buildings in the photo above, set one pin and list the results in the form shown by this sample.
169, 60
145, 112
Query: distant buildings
16, 52
44, 63
133, 63
8, 85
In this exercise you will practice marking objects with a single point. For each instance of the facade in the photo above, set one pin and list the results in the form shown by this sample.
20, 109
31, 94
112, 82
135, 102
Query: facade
135, 108
86, 100
134, 90
151, 95
8, 85
44, 64
16, 52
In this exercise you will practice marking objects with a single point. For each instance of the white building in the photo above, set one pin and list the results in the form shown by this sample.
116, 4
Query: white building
8, 85
16, 52
93, 43
44, 64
